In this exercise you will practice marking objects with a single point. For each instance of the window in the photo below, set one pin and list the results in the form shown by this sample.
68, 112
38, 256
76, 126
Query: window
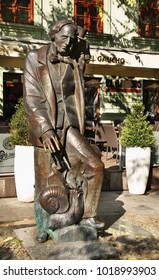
88, 14
149, 18
17, 11
12, 91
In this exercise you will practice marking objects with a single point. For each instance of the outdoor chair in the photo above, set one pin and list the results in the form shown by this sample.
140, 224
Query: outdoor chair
111, 140
100, 137
121, 148
106, 137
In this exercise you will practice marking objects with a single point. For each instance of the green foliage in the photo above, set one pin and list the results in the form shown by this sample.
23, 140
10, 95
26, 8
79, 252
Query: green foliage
137, 132
19, 126
132, 3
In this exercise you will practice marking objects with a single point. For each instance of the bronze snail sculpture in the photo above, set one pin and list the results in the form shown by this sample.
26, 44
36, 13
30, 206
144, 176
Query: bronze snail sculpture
63, 199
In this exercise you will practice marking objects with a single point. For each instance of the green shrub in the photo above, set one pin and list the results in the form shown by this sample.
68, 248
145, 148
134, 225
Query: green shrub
137, 132
19, 126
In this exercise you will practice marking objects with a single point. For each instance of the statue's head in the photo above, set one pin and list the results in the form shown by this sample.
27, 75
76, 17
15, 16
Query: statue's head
64, 34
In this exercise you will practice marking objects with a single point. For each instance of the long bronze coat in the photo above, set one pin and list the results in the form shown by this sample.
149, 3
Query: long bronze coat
39, 94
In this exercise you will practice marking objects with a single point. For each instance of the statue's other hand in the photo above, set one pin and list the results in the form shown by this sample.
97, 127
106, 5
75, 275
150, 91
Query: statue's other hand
50, 141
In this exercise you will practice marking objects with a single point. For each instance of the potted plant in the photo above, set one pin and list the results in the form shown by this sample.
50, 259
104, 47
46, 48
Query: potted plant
138, 138
24, 154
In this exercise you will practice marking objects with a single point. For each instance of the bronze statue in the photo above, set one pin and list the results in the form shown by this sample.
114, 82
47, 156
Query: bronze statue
69, 172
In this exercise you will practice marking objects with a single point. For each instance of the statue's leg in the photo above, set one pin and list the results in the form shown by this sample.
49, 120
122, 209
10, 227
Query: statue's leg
42, 171
42, 219
77, 145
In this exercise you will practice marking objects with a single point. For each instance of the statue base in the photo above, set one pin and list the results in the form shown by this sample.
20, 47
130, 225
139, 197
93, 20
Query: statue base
74, 233
84, 250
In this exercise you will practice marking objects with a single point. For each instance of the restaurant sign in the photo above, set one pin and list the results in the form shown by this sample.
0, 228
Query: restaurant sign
124, 58
6, 154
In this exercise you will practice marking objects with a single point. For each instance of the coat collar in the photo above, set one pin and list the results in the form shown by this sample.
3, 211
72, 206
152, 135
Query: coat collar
45, 51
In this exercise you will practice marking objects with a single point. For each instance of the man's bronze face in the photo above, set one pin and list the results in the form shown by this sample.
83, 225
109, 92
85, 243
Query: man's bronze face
65, 39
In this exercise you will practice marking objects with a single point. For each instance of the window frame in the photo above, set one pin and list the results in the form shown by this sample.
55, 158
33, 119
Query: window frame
149, 29
86, 17
29, 9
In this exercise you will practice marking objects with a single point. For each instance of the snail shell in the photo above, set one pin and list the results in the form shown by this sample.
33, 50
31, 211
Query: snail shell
73, 215
54, 199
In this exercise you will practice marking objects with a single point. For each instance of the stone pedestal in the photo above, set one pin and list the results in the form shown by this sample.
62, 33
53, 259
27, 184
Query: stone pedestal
74, 233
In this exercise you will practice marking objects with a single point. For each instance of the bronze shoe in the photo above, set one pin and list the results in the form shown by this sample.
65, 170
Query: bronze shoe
42, 237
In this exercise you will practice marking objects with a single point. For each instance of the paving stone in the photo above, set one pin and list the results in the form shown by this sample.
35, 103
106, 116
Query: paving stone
125, 228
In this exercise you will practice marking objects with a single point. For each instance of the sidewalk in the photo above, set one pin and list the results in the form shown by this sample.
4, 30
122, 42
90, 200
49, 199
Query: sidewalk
131, 225
139, 212
113, 206
14, 212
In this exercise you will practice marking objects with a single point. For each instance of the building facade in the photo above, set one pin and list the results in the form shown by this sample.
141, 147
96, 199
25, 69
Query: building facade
124, 48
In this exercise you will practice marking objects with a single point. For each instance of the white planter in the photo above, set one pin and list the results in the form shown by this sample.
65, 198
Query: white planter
137, 169
24, 173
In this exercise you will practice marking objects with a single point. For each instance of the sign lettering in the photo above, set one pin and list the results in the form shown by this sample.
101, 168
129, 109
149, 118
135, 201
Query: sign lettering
103, 58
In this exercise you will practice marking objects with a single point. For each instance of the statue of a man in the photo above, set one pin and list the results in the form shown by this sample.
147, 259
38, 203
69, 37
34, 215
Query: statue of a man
54, 103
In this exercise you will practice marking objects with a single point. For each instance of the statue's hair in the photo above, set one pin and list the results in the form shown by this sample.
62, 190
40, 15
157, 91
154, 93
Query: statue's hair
56, 27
